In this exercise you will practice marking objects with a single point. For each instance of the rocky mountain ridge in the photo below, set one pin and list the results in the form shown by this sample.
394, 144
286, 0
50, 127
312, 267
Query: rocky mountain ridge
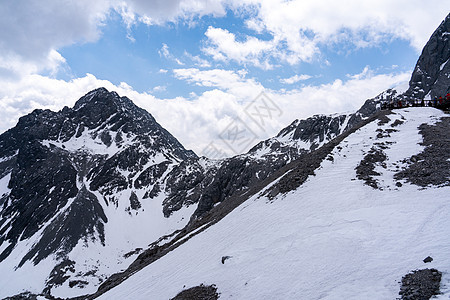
68, 172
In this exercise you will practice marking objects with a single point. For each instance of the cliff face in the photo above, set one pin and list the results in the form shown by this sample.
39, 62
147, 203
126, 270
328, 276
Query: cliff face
431, 76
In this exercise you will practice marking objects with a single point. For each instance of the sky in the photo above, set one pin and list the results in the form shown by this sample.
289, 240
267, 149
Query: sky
219, 75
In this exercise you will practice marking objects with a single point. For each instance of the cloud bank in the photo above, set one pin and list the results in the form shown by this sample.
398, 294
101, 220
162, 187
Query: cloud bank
199, 121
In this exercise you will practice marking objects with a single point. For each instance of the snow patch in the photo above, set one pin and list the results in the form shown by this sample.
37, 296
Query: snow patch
443, 65
90, 141
4, 184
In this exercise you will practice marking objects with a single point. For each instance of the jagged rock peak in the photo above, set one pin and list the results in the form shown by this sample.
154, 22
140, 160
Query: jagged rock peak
431, 76
102, 95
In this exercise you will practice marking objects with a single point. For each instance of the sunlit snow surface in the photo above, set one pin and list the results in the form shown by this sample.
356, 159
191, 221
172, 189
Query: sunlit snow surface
332, 238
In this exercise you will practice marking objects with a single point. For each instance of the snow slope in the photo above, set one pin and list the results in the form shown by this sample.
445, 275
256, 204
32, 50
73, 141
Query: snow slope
332, 238
94, 262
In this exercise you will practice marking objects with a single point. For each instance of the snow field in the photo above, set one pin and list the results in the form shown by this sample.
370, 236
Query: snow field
332, 238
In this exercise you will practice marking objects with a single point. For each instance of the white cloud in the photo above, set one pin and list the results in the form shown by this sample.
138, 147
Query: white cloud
295, 79
366, 72
232, 82
157, 12
200, 120
300, 29
164, 52
197, 60
32, 31
210, 78
337, 96
160, 88
222, 46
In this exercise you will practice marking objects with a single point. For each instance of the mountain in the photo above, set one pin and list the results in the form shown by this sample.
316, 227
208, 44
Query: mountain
331, 235
84, 179
100, 196
276, 170
85, 190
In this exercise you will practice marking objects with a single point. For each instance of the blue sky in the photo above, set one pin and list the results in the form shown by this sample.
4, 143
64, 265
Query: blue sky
135, 56
196, 64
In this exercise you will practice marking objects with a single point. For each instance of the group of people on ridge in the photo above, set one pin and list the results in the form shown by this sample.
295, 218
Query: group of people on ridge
438, 102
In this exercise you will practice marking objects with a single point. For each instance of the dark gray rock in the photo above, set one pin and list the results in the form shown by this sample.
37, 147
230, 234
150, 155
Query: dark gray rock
134, 201
430, 74
420, 284
225, 258
59, 274
366, 168
185, 184
432, 165
151, 175
23, 296
78, 283
41, 183
428, 259
201, 292
83, 219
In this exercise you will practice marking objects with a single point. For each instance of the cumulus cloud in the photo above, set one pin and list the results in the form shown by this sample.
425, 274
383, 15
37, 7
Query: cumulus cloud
202, 119
223, 46
233, 92
295, 79
233, 82
299, 29
32, 31
159, 88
